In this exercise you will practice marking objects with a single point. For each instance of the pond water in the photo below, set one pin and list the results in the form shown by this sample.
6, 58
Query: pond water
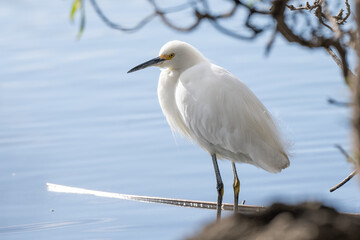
69, 114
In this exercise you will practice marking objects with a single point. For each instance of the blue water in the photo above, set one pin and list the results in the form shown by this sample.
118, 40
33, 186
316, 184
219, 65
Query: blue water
69, 114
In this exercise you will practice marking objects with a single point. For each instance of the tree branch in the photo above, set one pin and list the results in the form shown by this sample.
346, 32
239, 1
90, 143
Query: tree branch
351, 175
116, 26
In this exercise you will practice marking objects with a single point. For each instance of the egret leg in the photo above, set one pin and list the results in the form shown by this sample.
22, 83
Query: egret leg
219, 187
236, 186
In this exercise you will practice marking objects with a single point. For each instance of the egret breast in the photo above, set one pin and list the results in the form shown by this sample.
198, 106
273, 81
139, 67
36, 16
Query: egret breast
168, 82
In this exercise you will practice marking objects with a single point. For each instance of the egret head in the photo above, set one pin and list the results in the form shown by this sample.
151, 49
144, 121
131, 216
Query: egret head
175, 55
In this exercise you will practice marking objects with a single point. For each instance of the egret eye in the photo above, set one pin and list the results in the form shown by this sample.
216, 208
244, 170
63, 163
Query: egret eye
171, 55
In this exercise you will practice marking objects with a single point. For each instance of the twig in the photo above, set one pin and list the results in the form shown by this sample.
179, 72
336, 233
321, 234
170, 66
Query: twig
334, 57
344, 181
342, 150
231, 33
350, 159
338, 103
116, 26
339, 18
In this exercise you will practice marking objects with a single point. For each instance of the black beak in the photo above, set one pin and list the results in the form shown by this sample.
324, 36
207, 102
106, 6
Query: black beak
149, 63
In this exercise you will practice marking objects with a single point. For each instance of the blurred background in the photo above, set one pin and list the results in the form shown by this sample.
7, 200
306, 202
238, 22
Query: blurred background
69, 114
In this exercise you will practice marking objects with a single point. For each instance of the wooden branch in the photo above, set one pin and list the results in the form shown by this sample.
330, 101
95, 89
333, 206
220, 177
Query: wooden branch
351, 175
337, 60
338, 103
162, 15
316, 41
355, 89
277, 12
244, 209
116, 26
231, 33
341, 20
334, 57
247, 209
317, 5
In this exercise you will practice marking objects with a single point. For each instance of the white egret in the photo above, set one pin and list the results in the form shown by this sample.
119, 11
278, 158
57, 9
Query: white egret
212, 107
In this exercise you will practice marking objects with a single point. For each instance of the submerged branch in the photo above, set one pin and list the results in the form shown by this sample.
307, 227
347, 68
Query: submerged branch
244, 209
170, 201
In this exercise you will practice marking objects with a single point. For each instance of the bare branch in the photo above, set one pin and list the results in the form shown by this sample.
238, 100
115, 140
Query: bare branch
162, 15
316, 41
319, 5
335, 26
341, 20
277, 12
341, 65
307, 6
113, 25
350, 159
338, 103
230, 33
355, 88
351, 175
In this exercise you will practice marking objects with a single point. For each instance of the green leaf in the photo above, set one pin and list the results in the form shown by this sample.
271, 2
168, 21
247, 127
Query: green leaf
251, 3
82, 24
76, 5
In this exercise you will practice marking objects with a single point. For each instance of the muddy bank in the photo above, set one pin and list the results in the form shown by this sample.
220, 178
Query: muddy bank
307, 221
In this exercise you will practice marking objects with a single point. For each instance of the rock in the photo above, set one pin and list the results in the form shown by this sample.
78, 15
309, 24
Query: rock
307, 221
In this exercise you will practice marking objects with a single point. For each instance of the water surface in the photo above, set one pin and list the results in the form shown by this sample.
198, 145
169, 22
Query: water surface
69, 114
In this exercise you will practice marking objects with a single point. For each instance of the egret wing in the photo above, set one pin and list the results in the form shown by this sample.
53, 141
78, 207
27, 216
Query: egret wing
225, 117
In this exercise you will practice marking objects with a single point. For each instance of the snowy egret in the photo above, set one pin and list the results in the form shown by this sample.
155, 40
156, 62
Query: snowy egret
212, 107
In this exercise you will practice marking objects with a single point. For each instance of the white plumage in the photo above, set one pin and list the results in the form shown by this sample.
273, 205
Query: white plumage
212, 107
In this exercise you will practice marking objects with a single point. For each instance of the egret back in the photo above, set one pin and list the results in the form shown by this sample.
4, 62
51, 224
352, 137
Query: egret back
224, 116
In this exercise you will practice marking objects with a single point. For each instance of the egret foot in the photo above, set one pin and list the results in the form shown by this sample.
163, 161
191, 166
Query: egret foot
220, 190
236, 186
